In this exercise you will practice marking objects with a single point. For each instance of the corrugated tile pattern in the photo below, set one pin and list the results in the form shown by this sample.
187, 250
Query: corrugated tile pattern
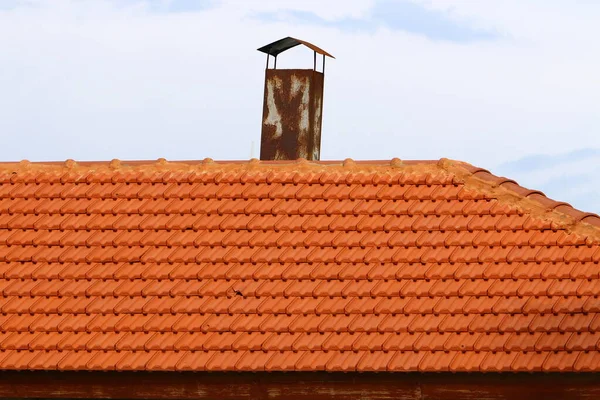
251, 267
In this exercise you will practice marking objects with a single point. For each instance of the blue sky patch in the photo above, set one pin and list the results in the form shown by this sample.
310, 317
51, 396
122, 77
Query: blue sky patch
179, 6
570, 177
7, 5
392, 14
543, 161
169, 6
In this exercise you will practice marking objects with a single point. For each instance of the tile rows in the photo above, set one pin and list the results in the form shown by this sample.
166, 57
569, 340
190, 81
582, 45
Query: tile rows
370, 290
275, 222
149, 175
424, 361
223, 190
293, 206
298, 254
309, 341
518, 271
286, 238
293, 323
236, 191
251, 267
306, 305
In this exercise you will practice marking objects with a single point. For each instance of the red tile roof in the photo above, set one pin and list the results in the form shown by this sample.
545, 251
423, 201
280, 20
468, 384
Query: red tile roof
368, 266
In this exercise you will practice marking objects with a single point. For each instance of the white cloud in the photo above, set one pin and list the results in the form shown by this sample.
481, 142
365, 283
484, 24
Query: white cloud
329, 10
102, 79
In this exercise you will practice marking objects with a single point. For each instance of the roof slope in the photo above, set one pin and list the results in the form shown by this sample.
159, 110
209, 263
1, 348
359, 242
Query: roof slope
395, 266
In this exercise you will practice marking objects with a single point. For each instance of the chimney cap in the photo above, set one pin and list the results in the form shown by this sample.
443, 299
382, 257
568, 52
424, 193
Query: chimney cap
287, 43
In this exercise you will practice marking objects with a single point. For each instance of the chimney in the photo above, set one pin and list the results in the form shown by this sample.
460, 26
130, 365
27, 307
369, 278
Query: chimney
293, 106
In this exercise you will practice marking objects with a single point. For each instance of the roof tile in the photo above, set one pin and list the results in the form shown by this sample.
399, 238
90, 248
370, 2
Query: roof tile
541, 304
586, 341
312, 361
249, 361
431, 341
560, 361
521, 341
460, 341
370, 341
283, 360
406, 361
163, 361
528, 361
344, 360
401, 341
46, 360
587, 362
499, 361
195, 360
439, 361
453, 305
455, 323
375, 361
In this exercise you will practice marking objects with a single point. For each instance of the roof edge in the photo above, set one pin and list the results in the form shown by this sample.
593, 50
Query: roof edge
559, 214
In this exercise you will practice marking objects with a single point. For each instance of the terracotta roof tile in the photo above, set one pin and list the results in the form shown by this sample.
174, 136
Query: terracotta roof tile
250, 361
431, 341
344, 360
401, 341
406, 361
544, 304
521, 341
487, 322
375, 361
372, 267
443, 360
529, 361
312, 361
461, 341
587, 341
194, 360
455, 323
163, 361
498, 361
560, 361
370, 341
587, 362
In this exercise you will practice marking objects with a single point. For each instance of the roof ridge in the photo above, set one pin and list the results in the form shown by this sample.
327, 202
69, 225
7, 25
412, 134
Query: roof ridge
534, 202
210, 165
117, 163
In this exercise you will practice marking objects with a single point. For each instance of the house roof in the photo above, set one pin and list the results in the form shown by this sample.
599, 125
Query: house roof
353, 266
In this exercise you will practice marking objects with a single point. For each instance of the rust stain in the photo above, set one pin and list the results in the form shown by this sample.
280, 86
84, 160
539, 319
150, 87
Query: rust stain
292, 115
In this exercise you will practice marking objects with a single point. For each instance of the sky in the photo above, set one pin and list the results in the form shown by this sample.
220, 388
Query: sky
511, 86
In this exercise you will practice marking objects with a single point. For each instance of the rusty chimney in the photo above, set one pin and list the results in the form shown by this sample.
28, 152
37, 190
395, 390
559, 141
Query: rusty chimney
293, 106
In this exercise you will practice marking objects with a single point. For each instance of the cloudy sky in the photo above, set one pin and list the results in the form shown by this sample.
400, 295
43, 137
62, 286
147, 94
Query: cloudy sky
512, 86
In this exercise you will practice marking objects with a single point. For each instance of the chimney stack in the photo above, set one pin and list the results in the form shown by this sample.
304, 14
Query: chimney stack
293, 106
